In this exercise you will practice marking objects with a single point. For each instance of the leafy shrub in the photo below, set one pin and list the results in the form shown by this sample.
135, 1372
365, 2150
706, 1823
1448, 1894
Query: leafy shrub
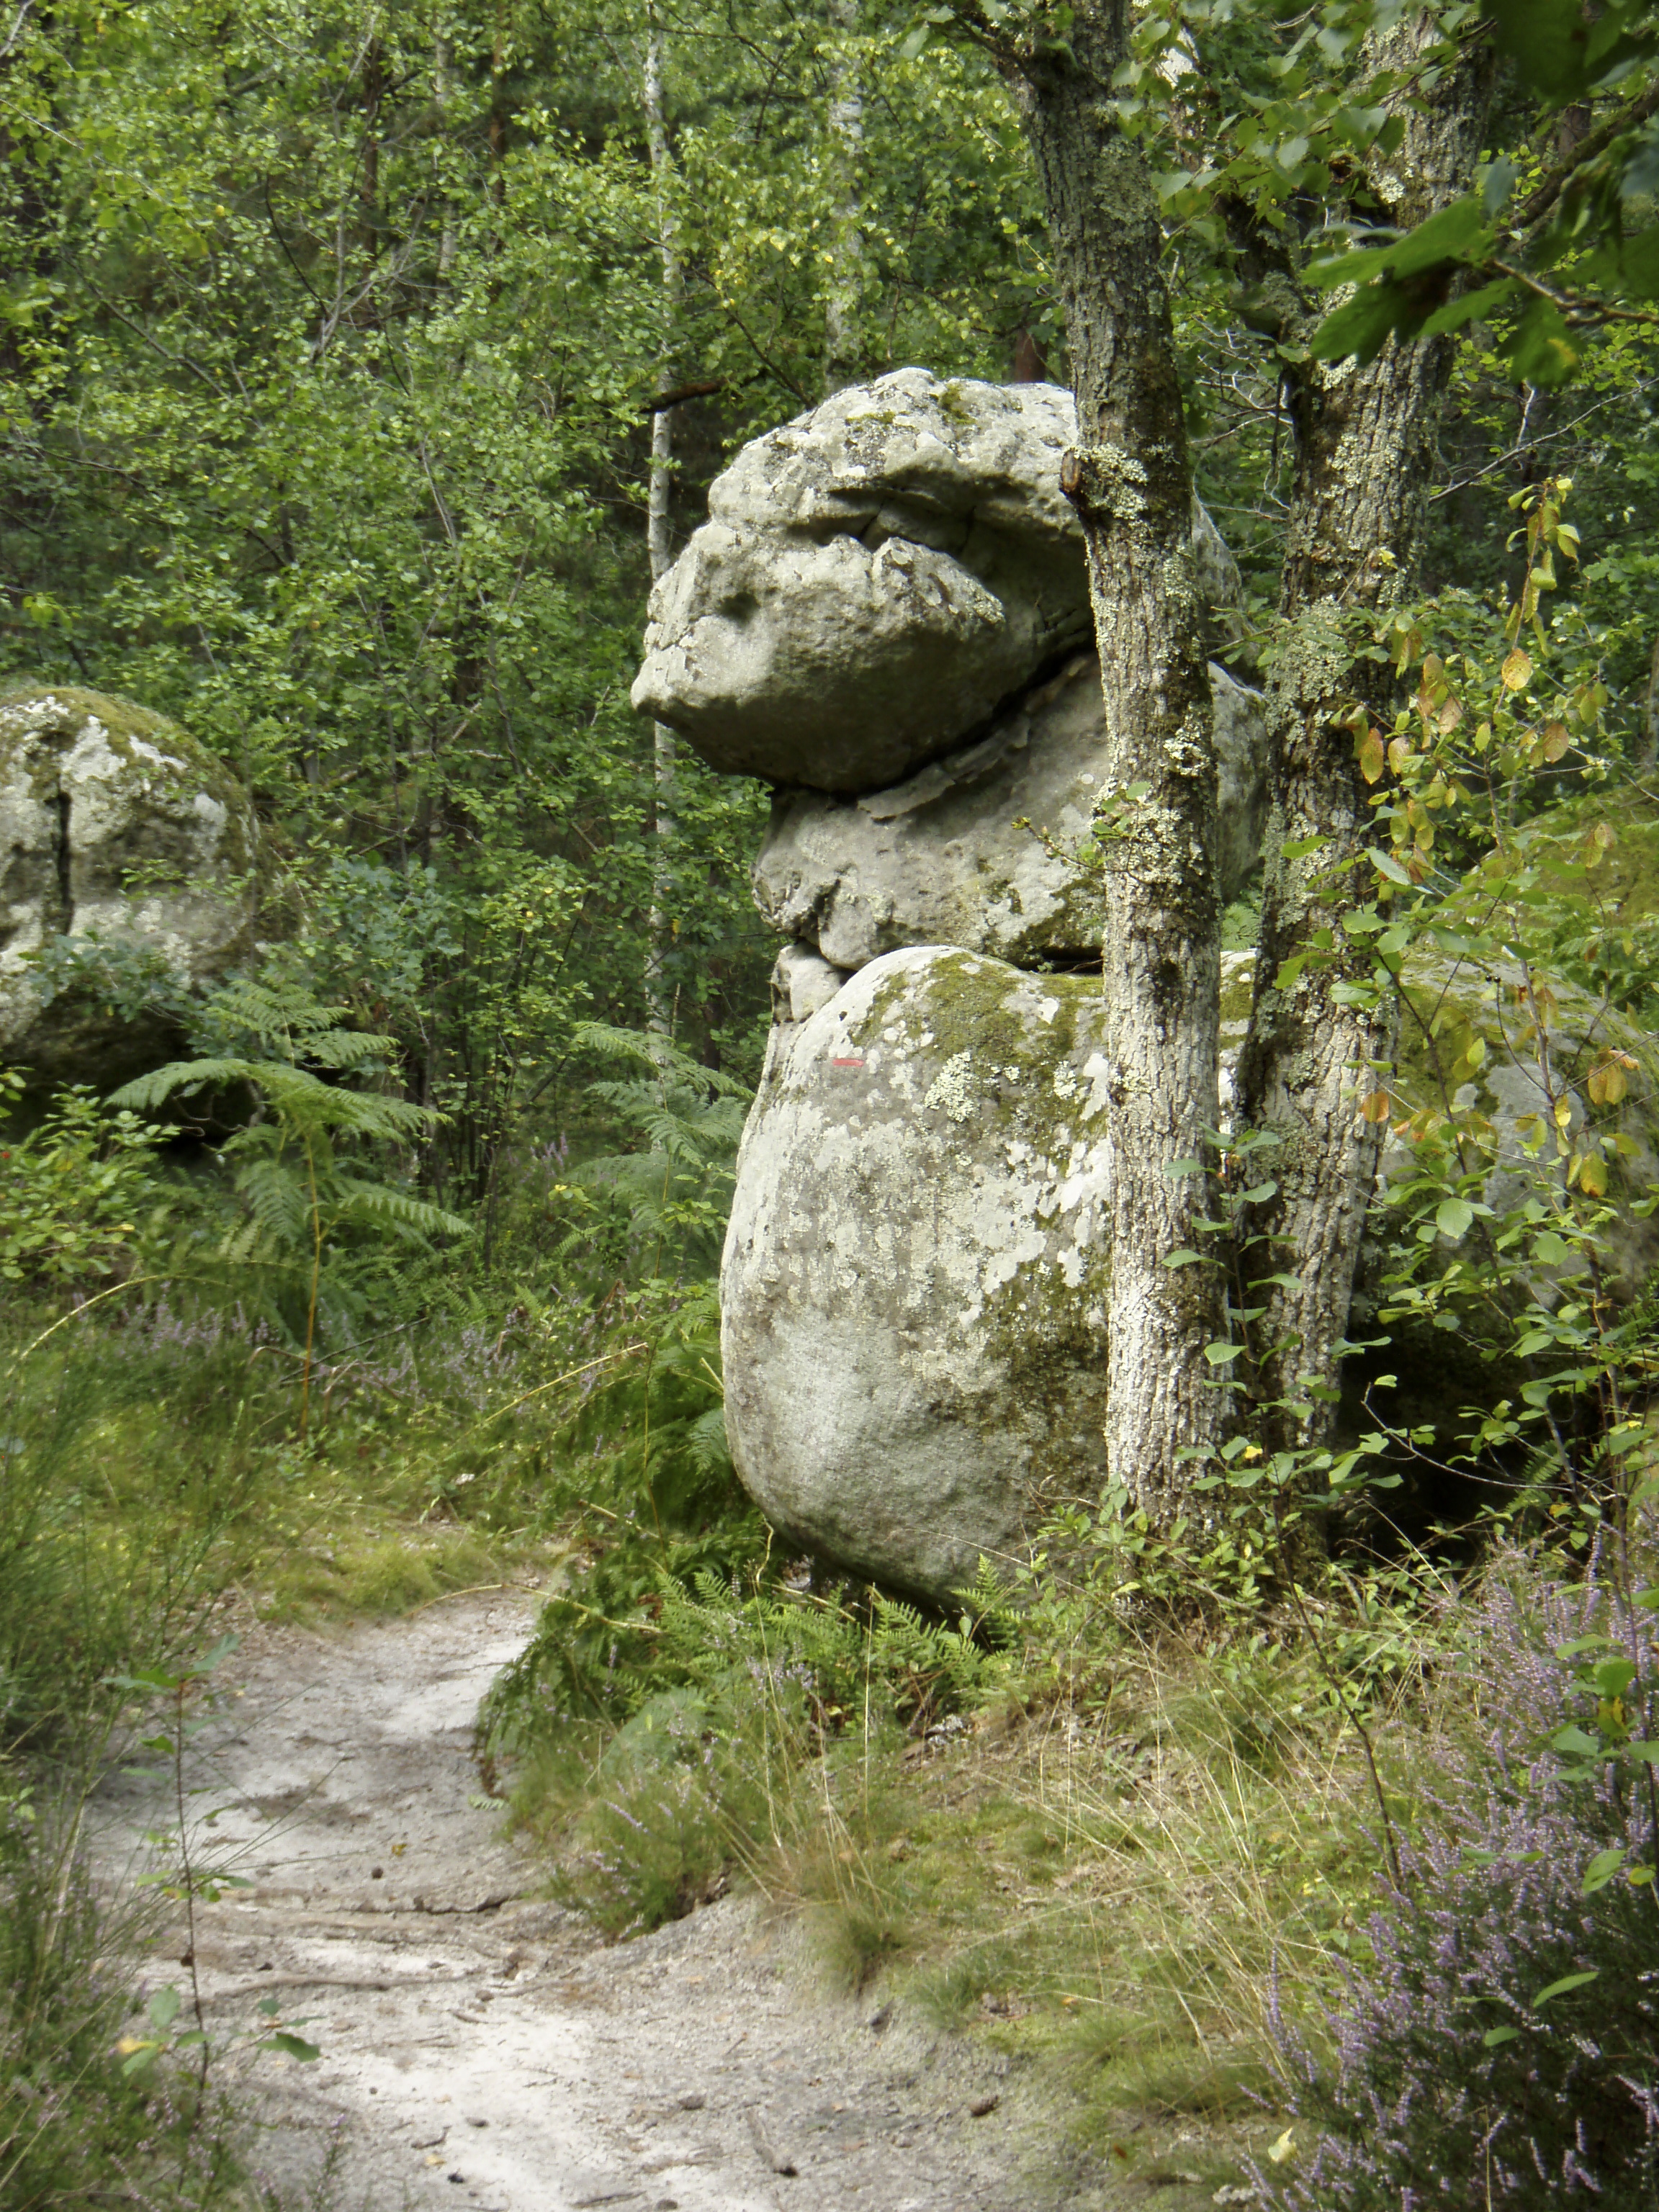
73, 1189
1502, 2046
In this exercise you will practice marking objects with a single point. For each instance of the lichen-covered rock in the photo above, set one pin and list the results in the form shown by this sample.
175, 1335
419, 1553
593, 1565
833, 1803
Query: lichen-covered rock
125, 842
875, 579
802, 981
913, 1288
982, 848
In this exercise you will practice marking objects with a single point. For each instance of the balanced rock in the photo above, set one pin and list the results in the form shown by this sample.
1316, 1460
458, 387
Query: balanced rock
875, 580
989, 848
128, 846
914, 1288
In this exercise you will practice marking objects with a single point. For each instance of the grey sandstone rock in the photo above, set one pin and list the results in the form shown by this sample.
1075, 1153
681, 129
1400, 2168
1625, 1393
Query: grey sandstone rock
801, 983
980, 849
123, 837
875, 580
912, 1293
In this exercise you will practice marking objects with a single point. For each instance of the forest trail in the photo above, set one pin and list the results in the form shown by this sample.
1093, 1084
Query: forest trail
485, 2051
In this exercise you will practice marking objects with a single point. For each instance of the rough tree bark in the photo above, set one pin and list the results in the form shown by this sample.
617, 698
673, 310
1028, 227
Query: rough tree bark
843, 297
659, 922
1130, 479
1364, 451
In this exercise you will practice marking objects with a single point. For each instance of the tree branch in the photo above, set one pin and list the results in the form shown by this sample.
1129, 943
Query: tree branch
1539, 202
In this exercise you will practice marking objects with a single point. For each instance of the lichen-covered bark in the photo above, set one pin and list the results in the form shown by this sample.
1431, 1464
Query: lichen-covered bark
1365, 441
659, 927
1130, 479
843, 296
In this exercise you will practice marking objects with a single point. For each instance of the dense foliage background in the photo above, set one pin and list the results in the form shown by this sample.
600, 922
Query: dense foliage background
327, 342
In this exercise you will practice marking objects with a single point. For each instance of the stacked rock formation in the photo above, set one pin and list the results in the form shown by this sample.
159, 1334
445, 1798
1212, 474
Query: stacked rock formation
131, 847
886, 617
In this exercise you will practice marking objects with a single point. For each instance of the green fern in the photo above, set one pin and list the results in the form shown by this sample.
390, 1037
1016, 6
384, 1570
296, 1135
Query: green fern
297, 1163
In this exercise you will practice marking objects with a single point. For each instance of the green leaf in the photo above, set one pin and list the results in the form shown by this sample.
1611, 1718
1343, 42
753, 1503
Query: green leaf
1561, 52
1386, 865
1452, 1217
1362, 325
1183, 1259
163, 2007
1543, 351
1567, 1982
295, 2045
1573, 1739
1468, 307
1219, 1355
1601, 1869
1494, 2036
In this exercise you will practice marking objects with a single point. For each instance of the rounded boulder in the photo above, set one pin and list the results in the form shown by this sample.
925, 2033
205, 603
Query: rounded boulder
129, 862
913, 1288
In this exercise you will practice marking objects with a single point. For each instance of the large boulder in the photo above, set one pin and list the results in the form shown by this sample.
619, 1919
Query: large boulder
875, 580
989, 848
128, 870
914, 1288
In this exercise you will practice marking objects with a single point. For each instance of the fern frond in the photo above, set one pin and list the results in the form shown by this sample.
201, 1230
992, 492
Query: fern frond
366, 1201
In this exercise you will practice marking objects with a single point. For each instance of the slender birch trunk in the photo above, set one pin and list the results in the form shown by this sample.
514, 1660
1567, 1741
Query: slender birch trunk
1130, 479
660, 926
1364, 454
844, 297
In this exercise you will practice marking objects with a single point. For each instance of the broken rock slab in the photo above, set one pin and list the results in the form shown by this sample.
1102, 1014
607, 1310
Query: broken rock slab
876, 579
990, 847
913, 1288
128, 859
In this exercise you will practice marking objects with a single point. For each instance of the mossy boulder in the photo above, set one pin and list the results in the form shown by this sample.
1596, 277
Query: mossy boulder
913, 1289
129, 877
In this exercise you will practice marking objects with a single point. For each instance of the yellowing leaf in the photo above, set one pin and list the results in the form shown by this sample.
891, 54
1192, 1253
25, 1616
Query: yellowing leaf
1555, 741
1400, 752
1516, 671
1283, 2149
1375, 1106
1370, 756
1593, 1177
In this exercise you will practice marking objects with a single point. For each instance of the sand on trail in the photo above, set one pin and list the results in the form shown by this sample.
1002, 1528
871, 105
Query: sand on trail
484, 2051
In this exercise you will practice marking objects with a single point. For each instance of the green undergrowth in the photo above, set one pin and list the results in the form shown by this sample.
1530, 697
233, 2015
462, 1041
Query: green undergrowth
1100, 1862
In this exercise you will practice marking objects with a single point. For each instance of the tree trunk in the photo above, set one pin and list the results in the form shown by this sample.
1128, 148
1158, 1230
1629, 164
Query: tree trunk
1365, 445
659, 923
1130, 479
843, 300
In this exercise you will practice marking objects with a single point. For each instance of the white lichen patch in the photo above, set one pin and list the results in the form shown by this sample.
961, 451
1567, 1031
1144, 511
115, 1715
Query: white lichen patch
951, 1091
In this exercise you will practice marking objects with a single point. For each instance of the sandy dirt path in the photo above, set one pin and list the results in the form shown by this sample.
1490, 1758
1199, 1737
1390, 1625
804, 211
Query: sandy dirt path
482, 2051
